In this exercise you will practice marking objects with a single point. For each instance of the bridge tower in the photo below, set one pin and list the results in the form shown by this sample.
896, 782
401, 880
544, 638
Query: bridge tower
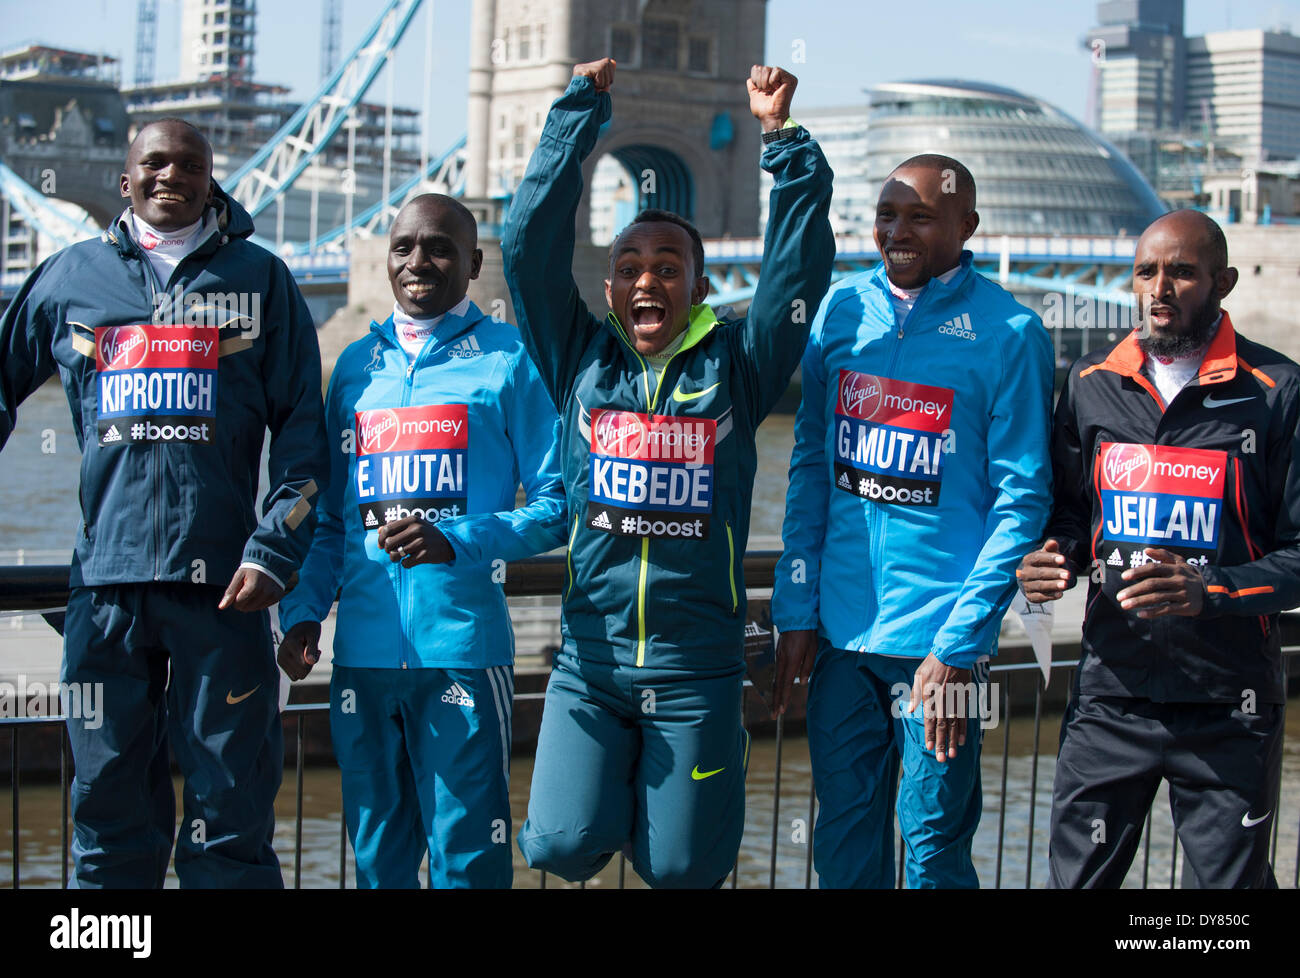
681, 125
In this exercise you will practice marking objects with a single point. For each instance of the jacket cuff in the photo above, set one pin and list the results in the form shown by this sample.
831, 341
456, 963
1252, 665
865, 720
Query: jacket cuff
961, 658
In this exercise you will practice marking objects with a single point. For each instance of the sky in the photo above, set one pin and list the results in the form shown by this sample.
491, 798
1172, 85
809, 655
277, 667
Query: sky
1034, 46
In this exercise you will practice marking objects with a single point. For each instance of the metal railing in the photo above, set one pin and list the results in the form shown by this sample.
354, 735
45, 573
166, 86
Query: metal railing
39, 587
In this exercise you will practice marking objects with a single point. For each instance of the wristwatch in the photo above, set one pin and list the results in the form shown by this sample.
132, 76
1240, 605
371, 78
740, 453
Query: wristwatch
788, 129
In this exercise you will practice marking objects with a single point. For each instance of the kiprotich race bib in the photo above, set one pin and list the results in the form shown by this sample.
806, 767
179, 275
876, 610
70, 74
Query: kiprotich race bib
157, 383
889, 437
651, 474
1159, 496
412, 461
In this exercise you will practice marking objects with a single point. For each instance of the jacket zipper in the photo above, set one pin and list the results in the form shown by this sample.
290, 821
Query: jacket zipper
731, 567
651, 401
403, 578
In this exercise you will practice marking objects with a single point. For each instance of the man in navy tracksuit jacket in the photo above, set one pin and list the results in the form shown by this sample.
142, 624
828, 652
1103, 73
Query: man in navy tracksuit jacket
1177, 491
919, 479
178, 343
434, 420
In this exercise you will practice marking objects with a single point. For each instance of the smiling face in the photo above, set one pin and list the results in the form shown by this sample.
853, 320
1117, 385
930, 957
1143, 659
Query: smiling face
1178, 281
653, 283
168, 176
920, 228
432, 255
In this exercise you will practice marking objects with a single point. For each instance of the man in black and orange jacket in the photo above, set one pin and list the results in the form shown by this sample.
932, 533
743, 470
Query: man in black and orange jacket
1177, 491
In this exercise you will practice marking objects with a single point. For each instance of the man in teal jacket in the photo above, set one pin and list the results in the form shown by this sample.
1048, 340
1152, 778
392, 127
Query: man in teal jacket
641, 739
920, 477
434, 420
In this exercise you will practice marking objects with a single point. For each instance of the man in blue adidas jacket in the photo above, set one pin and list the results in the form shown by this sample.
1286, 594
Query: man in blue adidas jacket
433, 421
920, 477
641, 742
179, 344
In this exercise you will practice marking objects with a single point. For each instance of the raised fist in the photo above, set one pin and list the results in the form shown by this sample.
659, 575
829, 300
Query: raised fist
600, 72
770, 92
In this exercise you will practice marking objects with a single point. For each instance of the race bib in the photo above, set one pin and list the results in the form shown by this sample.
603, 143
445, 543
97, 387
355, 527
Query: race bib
889, 437
1159, 496
412, 461
157, 383
651, 474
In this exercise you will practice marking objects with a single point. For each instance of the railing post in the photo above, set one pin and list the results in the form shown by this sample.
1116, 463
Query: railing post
13, 781
1033, 777
297, 826
63, 804
776, 800
1002, 804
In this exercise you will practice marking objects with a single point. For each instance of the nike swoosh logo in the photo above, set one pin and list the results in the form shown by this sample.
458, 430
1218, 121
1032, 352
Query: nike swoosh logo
232, 699
698, 775
1248, 822
1211, 402
679, 396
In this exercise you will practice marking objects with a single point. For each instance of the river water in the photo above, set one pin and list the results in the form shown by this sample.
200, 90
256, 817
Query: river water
39, 516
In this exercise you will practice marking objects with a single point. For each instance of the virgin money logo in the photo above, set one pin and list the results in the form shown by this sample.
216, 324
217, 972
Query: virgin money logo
122, 347
1127, 466
377, 430
619, 433
859, 395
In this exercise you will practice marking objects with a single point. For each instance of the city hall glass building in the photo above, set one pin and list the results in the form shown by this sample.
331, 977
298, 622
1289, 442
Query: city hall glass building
1038, 171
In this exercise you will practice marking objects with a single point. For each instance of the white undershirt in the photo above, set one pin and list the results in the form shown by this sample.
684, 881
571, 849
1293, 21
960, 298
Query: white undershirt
165, 249
905, 299
658, 361
412, 334
1171, 375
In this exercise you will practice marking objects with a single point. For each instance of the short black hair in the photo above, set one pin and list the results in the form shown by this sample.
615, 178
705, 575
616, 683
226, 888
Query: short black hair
963, 182
451, 204
653, 215
172, 120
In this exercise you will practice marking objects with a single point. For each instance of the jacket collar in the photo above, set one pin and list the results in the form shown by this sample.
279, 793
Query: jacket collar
449, 328
701, 323
1218, 365
224, 219
935, 290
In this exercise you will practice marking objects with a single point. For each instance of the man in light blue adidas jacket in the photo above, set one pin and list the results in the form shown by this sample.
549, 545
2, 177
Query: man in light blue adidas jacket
433, 419
920, 477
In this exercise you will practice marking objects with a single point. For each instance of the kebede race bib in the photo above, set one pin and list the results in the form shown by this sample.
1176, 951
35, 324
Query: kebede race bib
157, 383
651, 474
412, 461
889, 437
1159, 496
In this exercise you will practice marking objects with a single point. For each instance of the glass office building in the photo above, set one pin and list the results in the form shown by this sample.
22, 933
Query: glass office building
1038, 171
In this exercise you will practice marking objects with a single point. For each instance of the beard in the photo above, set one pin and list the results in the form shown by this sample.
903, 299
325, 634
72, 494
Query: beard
1175, 346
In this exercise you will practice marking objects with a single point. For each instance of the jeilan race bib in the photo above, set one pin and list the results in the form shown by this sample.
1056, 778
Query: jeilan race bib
412, 461
1159, 496
651, 474
889, 439
157, 383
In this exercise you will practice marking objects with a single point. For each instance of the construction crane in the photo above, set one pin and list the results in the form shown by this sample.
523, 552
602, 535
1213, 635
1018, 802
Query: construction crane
273, 169
146, 40
331, 34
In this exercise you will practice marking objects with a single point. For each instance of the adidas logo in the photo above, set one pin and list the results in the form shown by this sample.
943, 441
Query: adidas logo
602, 521
1115, 560
754, 630
468, 347
370, 518
844, 482
112, 434
959, 327
457, 696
